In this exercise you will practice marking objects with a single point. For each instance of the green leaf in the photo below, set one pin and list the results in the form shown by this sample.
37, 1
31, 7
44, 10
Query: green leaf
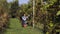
58, 13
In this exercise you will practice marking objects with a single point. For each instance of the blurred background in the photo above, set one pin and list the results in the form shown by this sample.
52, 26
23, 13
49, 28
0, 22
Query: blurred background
46, 16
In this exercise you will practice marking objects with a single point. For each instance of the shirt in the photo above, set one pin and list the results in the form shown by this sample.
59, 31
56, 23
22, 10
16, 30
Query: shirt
24, 18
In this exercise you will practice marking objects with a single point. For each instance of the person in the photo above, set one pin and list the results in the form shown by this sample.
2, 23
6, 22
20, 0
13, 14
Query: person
24, 20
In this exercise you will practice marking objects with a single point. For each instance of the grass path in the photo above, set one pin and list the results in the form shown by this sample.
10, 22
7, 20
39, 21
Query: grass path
15, 28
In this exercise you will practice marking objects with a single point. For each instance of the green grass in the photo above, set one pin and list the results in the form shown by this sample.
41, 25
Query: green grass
15, 28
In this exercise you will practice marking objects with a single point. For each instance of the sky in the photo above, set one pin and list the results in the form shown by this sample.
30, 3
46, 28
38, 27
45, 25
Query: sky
19, 1
23, 1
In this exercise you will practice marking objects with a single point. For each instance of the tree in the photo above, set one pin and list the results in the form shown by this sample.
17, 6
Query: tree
3, 14
14, 8
46, 15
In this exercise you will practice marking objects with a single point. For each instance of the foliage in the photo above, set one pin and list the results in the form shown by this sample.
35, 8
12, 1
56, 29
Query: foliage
58, 13
3, 14
46, 11
14, 8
